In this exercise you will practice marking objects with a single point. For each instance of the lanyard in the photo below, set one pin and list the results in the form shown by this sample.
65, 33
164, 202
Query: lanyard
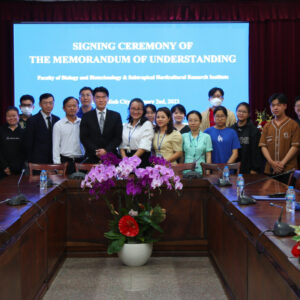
159, 144
131, 133
195, 144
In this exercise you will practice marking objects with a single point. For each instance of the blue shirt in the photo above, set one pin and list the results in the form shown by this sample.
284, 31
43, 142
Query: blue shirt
224, 141
80, 113
195, 148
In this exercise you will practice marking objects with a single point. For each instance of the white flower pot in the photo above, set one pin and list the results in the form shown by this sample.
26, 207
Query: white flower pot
135, 255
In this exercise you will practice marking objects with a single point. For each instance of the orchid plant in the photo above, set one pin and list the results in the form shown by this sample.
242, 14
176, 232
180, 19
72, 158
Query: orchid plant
135, 220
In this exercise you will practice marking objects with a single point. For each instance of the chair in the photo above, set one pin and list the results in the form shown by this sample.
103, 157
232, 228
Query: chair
84, 167
179, 168
52, 169
294, 179
218, 168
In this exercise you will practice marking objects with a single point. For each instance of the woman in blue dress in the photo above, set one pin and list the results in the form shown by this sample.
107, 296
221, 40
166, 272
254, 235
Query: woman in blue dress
197, 146
225, 140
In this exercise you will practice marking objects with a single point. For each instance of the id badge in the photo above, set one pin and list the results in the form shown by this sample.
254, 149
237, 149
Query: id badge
159, 155
128, 149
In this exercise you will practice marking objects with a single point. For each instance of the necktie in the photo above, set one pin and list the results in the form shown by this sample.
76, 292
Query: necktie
101, 122
49, 123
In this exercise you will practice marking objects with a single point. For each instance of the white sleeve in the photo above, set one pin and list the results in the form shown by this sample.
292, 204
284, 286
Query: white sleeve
56, 144
124, 143
147, 136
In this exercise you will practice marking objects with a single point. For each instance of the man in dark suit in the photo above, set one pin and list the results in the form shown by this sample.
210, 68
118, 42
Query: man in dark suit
39, 132
100, 129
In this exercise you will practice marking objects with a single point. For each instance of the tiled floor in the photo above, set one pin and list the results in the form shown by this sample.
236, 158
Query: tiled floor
166, 278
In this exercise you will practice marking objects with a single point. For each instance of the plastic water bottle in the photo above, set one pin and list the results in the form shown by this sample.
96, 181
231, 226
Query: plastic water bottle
43, 180
226, 173
290, 197
240, 183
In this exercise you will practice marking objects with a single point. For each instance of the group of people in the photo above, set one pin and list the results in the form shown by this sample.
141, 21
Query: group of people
85, 134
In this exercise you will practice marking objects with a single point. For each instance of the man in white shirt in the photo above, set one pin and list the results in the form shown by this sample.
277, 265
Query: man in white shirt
66, 141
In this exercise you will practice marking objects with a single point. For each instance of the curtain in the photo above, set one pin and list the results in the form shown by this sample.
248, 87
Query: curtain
274, 38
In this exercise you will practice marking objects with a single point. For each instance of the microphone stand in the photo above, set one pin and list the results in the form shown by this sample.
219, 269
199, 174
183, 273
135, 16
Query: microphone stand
281, 228
246, 200
19, 199
79, 175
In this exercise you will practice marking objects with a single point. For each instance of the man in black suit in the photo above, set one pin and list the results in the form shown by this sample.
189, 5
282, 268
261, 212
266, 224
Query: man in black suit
100, 129
39, 132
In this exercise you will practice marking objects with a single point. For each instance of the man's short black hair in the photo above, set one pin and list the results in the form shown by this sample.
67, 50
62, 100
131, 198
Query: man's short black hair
85, 88
26, 97
68, 99
100, 89
297, 99
282, 99
215, 89
45, 96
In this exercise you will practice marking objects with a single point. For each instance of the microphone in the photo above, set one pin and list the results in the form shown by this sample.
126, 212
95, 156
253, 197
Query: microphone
247, 200
79, 175
19, 199
281, 228
221, 181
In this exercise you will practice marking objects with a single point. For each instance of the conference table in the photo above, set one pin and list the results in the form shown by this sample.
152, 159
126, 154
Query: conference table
204, 220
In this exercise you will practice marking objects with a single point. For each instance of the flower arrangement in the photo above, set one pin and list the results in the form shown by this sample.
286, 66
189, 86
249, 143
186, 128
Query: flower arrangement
262, 118
135, 220
296, 248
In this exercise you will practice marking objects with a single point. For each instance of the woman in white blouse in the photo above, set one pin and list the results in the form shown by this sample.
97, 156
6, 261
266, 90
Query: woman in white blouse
137, 133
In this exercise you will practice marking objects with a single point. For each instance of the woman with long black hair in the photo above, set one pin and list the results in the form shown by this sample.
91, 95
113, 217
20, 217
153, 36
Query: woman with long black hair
137, 133
249, 154
167, 141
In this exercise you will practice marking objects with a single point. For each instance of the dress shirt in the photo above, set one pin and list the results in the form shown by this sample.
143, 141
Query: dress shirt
66, 140
99, 115
45, 118
140, 136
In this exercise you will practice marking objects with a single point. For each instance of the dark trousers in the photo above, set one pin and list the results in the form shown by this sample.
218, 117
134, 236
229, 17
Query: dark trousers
71, 163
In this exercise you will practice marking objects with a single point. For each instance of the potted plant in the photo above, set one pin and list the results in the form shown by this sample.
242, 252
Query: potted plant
135, 224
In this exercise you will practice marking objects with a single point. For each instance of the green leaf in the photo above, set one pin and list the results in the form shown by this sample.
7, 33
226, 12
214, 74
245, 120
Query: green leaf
157, 227
116, 245
296, 238
113, 235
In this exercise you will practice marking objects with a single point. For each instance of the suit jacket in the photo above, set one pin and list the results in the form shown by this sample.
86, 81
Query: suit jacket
38, 139
91, 137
